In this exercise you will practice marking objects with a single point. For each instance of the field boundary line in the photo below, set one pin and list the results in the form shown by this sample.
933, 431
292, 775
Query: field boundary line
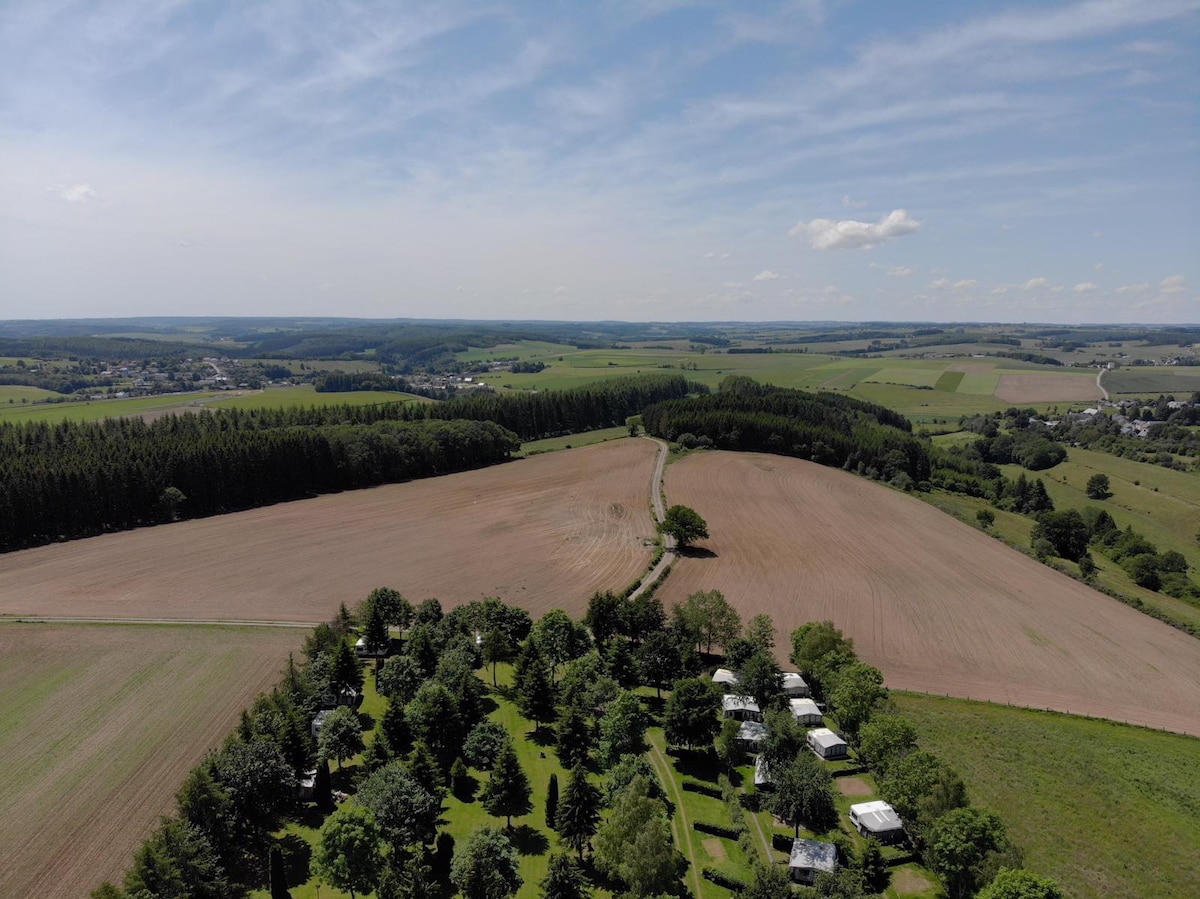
199, 622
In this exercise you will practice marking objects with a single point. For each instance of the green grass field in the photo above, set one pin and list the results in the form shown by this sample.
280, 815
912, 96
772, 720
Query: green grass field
1108, 811
1150, 381
587, 438
272, 398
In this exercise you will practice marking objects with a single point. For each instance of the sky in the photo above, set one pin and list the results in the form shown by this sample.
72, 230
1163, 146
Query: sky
660, 160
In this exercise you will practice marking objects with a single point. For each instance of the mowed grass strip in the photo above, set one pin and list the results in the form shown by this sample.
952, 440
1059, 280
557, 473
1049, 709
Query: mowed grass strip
1105, 809
949, 380
99, 724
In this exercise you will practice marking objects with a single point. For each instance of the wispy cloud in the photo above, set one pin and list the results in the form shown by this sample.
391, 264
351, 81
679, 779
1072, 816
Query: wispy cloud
848, 234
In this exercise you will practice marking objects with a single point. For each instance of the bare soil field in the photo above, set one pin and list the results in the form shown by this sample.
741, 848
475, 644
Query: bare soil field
937, 605
1020, 389
99, 725
543, 532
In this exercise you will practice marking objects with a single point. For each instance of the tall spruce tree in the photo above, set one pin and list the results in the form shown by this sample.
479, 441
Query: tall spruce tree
578, 811
507, 791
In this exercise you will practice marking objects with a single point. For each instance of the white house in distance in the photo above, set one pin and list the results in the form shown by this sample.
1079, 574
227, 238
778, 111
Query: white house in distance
827, 744
740, 708
810, 858
794, 685
877, 819
726, 678
805, 711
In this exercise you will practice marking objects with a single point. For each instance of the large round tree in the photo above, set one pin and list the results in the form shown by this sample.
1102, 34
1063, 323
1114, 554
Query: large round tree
685, 525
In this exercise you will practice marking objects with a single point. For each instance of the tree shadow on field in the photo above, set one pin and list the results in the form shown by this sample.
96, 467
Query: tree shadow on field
697, 552
700, 764
297, 858
487, 705
366, 721
464, 790
543, 737
528, 841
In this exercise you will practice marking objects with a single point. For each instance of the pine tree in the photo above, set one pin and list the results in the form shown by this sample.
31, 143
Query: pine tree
578, 813
552, 801
564, 880
574, 739
375, 632
535, 690
279, 887
323, 787
507, 791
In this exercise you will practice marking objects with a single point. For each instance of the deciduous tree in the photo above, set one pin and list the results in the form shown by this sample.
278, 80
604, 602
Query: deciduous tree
692, 716
340, 736
485, 865
684, 524
1017, 883
348, 854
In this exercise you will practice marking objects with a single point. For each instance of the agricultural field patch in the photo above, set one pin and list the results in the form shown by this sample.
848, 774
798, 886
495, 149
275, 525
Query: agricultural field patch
1024, 389
1105, 809
541, 533
99, 724
935, 604
911, 377
1150, 381
979, 383
949, 381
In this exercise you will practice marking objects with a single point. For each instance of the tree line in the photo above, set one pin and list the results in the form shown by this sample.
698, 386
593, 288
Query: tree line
77, 479
827, 428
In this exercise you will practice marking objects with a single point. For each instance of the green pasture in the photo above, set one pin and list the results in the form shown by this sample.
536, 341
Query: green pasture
271, 398
19, 394
1015, 530
1150, 381
587, 438
525, 350
1108, 810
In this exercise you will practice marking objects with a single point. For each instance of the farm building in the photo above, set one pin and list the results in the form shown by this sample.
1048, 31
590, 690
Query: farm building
762, 776
740, 708
810, 858
827, 744
794, 685
726, 678
877, 819
752, 735
805, 711
319, 721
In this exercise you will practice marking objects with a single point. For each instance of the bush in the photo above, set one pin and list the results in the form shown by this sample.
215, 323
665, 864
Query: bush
717, 830
696, 786
722, 879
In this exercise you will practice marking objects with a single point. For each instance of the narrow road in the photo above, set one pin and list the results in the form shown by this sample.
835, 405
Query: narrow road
679, 824
656, 503
1101, 386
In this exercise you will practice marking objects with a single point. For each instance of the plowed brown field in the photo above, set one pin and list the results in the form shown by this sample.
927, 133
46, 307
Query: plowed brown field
542, 532
935, 604
98, 726
1038, 388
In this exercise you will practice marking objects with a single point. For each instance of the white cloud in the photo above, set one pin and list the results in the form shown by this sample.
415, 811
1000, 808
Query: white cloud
1035, 283
940, 283
767, 275
849, 203
825, 234
966, 284
1134, 288
560, 290
1173, 284
75, 193
896, 271
1085, 287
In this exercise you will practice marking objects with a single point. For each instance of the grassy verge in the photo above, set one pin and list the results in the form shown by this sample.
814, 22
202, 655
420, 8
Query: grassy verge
1106, 809
587, 438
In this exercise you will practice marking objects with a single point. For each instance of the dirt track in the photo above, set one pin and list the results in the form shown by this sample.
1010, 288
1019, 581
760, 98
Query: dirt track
98, 727
937, 605
543, 532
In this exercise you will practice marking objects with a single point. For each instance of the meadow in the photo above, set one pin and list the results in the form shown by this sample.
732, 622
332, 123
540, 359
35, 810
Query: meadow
99, 724
1109, 811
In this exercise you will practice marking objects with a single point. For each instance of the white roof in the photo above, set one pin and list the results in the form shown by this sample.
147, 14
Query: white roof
825, 738
803, 707
724, 676
752, 731
731, 702
877, 816
792, 680
814, 855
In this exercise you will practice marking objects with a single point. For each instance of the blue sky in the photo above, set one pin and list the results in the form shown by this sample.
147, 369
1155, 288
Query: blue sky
655, 160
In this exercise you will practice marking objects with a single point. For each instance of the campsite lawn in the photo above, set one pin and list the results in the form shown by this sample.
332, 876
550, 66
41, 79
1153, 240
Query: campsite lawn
1105, 809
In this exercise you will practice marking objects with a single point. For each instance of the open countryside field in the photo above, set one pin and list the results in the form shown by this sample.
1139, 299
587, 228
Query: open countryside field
1150, 381
540, 533
1108, 811
915, 387
937, 605
99, 724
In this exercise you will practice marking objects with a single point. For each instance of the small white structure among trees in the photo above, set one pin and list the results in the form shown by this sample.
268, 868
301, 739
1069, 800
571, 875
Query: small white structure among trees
810, 858
877, 819
827, 744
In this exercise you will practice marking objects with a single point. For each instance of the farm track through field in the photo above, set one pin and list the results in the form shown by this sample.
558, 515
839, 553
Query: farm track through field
937, 605
679, 823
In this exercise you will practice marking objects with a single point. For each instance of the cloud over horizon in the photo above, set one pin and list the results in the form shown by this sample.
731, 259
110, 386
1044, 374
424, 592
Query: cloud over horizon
848, 234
